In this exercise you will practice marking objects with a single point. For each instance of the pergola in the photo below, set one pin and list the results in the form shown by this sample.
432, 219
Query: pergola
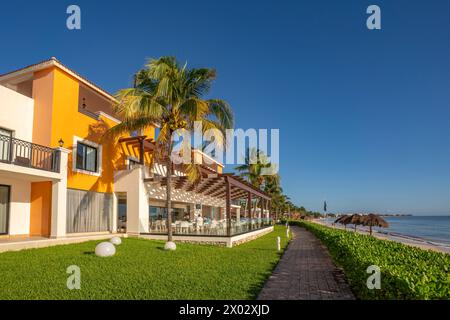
141, 143
217, 185
220, 185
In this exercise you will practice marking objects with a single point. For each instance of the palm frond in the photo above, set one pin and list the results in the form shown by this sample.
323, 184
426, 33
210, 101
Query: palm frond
126, 127
222, 111
214, 129
198, 81
194, 109
193, 172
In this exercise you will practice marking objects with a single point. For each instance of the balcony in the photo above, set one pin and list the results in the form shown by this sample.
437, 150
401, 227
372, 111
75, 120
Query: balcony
26, 154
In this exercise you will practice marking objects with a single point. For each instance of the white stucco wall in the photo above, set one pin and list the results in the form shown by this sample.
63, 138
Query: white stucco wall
16, 113
19, 211
131, 183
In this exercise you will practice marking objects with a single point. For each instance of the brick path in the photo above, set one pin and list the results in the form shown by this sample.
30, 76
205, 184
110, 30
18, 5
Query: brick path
306, 272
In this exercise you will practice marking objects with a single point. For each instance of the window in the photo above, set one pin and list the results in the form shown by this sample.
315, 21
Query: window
86, 157
4, 208
88, 211
132, 163
5, 141
6, 132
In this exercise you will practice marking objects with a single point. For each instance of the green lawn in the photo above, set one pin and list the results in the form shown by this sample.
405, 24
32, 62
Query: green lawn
141, 269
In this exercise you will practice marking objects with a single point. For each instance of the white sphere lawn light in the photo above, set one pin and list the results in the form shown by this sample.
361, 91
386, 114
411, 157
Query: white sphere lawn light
105, 249
116, 241
170, 245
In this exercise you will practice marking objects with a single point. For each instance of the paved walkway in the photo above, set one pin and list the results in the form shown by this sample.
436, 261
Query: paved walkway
306, 272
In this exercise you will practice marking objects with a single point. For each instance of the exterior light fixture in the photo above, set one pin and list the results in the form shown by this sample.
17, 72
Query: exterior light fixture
61, 142
105, 249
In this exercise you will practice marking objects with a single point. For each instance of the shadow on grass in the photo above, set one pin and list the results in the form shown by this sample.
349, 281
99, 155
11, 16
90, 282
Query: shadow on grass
256, 288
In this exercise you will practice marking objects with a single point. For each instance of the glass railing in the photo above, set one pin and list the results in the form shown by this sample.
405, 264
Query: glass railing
208, 227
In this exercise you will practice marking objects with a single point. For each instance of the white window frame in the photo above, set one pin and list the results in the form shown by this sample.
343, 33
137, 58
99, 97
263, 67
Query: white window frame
99, 148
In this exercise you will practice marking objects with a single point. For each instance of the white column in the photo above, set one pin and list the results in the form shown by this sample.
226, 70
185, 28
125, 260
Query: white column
137, 202
238, 215
59, 198
144, 218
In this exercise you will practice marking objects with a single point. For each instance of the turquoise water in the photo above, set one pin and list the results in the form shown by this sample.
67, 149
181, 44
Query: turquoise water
434, 229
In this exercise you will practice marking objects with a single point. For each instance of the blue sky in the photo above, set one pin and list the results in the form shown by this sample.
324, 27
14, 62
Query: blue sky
363, 115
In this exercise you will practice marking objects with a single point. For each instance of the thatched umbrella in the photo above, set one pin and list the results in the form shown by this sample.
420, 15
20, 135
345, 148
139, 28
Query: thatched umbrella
354, 219
357, 219
342, 220
373, 220
338, 220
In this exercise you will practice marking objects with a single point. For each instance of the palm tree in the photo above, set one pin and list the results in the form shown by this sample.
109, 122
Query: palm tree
255, 161
171, 95
252, 170
279, 204
272, 186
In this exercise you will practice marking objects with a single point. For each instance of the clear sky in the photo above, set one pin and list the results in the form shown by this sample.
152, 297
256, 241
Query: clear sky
363, 115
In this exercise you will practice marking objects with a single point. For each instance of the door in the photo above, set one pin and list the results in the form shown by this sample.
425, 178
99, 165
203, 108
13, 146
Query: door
4, 209
122, 215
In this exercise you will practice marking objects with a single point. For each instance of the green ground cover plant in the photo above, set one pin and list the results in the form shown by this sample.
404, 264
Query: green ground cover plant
406, 272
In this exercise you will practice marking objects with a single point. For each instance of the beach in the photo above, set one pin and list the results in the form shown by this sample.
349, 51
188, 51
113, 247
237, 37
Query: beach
386, 235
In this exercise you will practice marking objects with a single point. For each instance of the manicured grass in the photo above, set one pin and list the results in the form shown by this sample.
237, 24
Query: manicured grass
406, 272
141, 269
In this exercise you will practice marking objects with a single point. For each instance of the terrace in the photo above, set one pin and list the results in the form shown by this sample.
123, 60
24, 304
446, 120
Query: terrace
218, 221
26, 154
219, 208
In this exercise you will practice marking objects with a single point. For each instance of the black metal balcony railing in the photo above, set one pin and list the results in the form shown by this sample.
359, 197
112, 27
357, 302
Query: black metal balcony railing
27, 154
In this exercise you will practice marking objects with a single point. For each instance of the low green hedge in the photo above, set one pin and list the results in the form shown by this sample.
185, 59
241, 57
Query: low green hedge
406, 272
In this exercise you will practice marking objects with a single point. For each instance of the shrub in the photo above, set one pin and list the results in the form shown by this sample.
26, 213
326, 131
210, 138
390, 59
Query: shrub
406, 272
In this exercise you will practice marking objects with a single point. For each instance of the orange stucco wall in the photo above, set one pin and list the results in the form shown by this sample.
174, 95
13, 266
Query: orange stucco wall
58, 118
68, 122
43, 104
41, 201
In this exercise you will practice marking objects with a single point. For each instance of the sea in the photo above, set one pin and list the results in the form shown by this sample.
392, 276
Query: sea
432, 229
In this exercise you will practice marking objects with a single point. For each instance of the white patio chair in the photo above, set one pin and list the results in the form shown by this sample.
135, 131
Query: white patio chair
199, 223
184, 226
213, 226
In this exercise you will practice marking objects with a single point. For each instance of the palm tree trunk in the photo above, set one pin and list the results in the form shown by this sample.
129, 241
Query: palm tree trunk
355, 227
169, 193
370, 228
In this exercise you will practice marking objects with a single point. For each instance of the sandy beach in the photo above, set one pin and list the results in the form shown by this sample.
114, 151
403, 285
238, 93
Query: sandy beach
410, 241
